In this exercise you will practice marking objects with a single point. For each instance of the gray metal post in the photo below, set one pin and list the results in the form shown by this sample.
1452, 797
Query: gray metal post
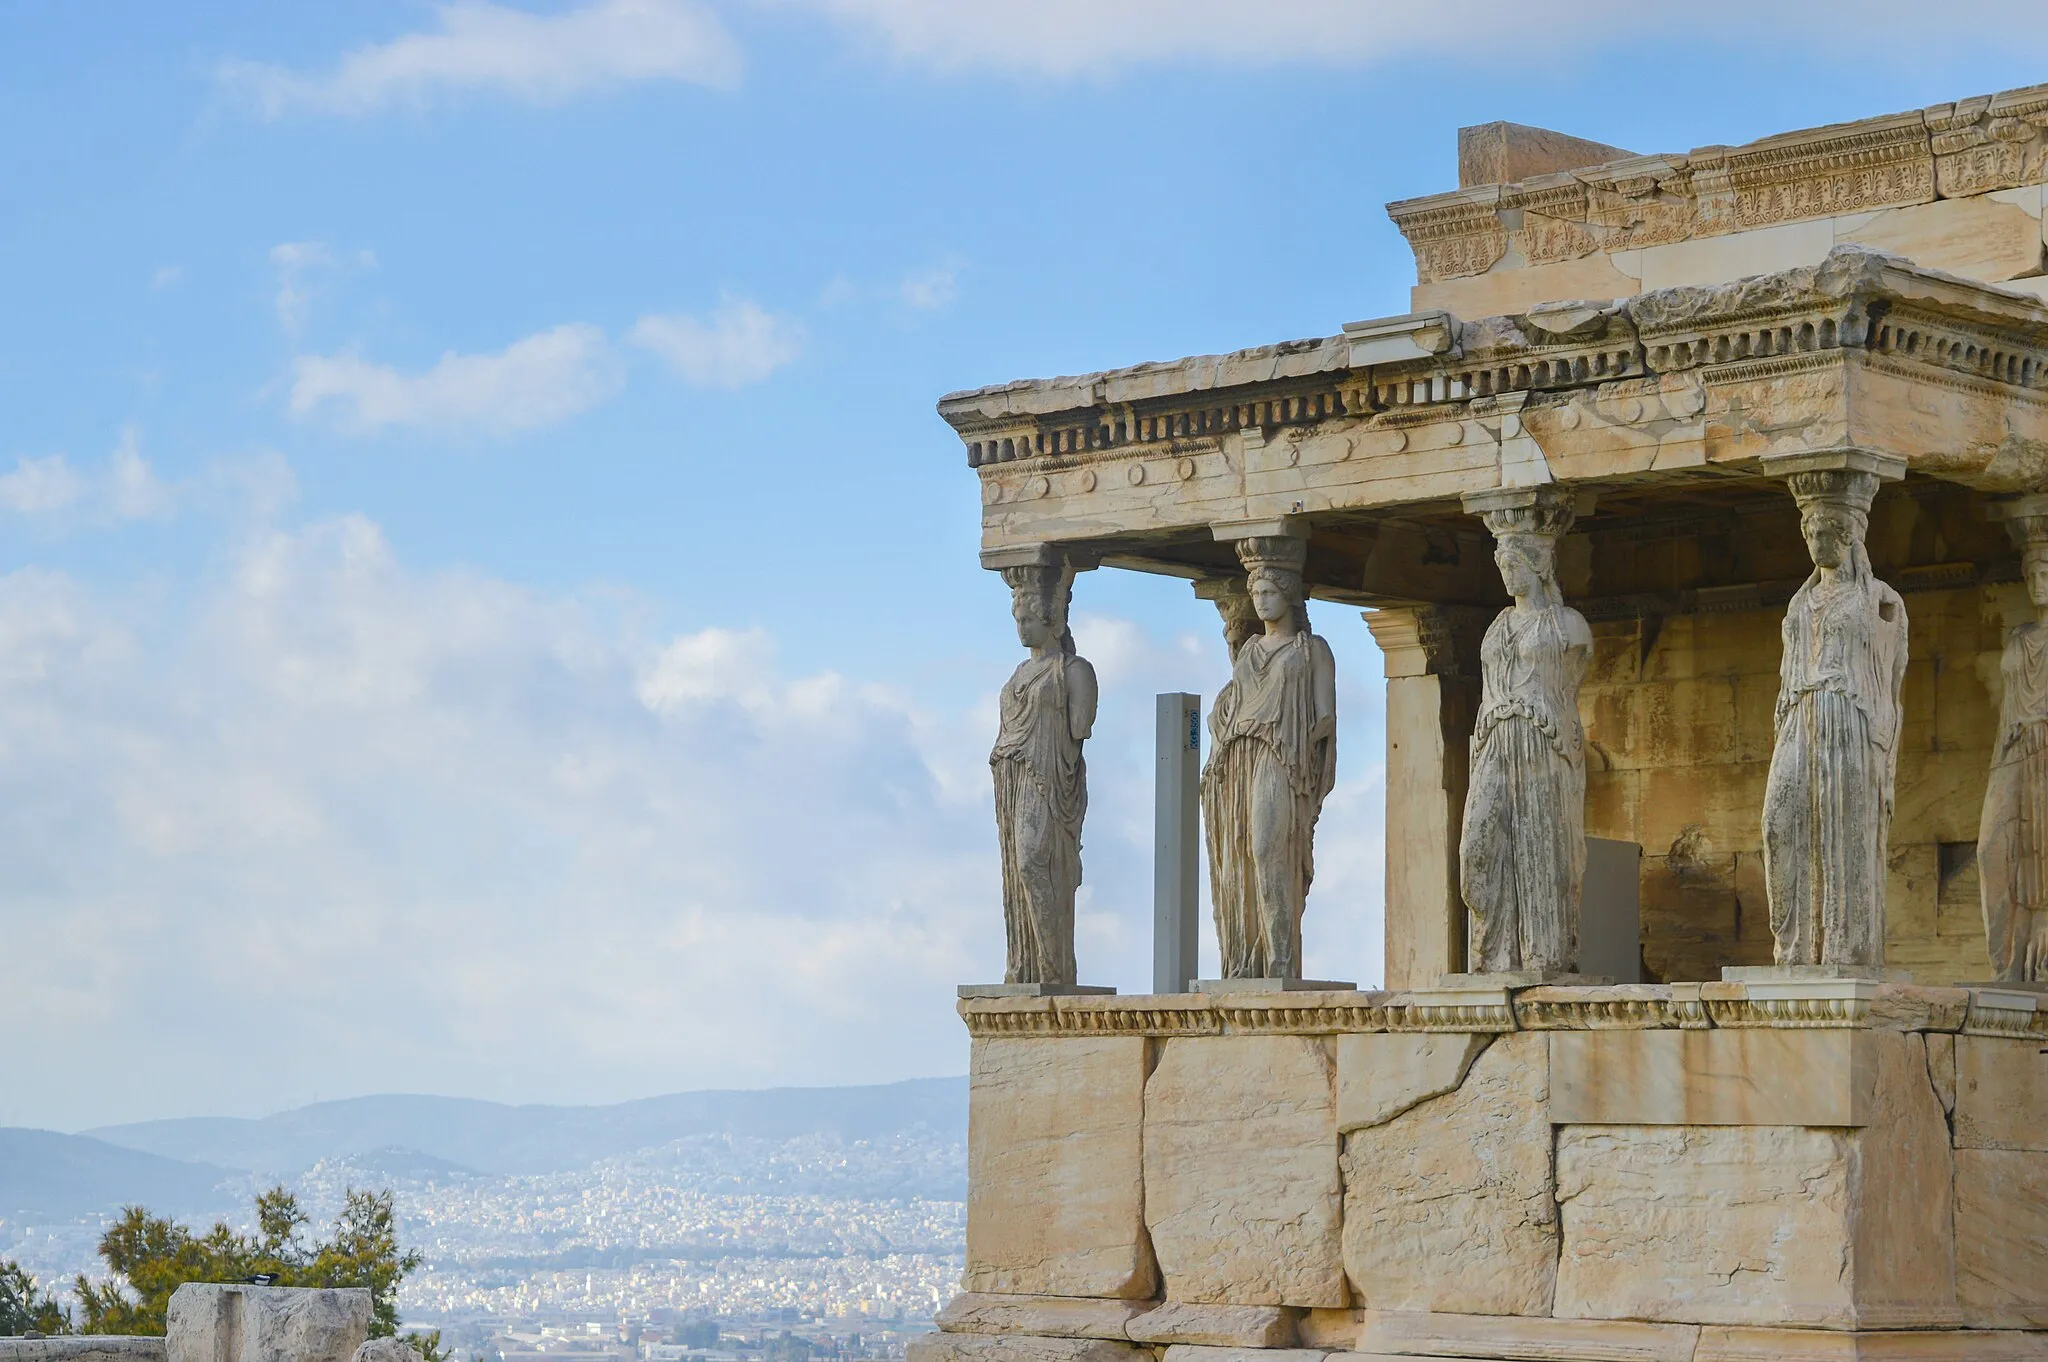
1176, 837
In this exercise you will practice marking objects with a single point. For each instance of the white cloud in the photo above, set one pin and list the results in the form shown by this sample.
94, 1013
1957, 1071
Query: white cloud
304, 270
931, 289
127, 488
37, 486
1102, 37
739, 343
166, 275
476, 838
540, 381
539, 58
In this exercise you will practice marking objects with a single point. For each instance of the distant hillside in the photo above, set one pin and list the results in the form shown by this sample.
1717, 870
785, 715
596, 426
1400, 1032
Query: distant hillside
494, 1138
47, 1177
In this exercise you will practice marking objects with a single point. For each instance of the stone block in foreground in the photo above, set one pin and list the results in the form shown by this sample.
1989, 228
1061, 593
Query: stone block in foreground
229, 1322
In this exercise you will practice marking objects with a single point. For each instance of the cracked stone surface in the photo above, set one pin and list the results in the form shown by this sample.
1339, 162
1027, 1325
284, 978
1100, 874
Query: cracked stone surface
1448, 1206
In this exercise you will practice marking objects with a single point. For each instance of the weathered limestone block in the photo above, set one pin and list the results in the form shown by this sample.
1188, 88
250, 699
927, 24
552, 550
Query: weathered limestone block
1221, 1326
1191, 1352
971, 1312
219, 1322
1404, 1334
1381, 1074
1828, 1227
2002, 1238
1055, 1182
1823, 1345
1744, 1077
1449, 1206
1241, 1188
386, 1350
1016, 1348
2001, 1094
89, 1348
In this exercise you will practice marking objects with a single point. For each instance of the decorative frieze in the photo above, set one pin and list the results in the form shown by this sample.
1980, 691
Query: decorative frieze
1799, 1005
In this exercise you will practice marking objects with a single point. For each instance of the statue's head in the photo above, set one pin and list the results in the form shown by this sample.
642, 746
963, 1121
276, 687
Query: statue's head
1834, 515
1527, 562
2034, 567
1273, 578
1234, 603
1039, 599
1525, 544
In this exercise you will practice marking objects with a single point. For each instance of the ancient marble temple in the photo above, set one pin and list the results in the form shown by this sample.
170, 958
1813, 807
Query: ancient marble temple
1699, 502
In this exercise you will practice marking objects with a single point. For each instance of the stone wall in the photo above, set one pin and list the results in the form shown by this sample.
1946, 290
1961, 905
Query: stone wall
1701, 1173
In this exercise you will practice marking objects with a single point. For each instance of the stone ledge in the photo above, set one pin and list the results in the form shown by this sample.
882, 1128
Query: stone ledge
1017, 1348
987, 1312
1844, 1004
83, 1348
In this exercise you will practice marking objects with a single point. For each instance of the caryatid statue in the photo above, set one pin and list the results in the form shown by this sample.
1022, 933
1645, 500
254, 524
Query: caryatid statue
1273, 757
1048, 710
1828, 801
1522, 854
2012, 838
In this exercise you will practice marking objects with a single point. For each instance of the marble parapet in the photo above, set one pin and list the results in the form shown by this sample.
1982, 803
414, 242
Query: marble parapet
1789, 1005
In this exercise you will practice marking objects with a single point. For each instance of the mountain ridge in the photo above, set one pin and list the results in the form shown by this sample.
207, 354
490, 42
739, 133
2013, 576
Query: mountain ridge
503, 1138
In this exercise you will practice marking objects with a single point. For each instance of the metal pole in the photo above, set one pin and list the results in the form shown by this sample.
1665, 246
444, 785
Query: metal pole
1176, 835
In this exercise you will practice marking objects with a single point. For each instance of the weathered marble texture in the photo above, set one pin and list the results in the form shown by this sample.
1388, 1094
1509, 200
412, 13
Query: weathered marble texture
1834, 760
1767, 1224
212, 1322
1242, 1195
1448, 1205
1048, 710
1055, 1190
1522, 856
2012, 837
1273, 758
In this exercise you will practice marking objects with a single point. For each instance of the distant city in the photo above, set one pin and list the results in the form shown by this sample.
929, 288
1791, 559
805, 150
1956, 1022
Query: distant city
712, 1247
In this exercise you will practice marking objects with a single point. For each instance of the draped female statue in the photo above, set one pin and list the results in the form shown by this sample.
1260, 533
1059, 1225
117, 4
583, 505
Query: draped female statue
1273, 757
1522, 855
1828, 799
2012, 839
1048, 709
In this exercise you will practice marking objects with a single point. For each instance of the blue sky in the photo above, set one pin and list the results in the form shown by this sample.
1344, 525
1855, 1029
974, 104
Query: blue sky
488, 607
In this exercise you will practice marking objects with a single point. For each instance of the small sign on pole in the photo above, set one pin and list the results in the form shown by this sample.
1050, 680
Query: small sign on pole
1176, 838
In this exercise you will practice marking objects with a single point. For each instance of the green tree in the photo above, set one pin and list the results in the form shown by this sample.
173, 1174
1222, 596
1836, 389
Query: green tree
153, 1256
698, 1333
24, 1309
786, 1349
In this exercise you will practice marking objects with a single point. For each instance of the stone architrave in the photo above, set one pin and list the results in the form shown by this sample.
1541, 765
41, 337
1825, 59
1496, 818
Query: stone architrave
2012, 837
1834, 759
1055, 1179
1242, 1196
1273, 759
1522, 856
1048, 710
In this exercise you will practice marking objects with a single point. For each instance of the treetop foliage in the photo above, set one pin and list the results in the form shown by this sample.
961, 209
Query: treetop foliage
153, 1256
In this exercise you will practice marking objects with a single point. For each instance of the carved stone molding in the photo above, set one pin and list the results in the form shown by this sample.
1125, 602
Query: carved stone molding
1638, 1007
1429, 640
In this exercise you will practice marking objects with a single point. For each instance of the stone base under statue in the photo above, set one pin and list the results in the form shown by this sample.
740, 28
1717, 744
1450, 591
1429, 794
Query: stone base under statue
1269, 986
1035, 991
1523, 978
1779, 974
1702, 1173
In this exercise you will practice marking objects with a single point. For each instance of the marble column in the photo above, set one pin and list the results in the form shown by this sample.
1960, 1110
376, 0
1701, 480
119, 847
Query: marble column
1431, 656
1835, 752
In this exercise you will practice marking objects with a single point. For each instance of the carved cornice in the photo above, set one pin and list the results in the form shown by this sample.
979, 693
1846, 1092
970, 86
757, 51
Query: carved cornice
1159, 424
1636, 1007
1972, 147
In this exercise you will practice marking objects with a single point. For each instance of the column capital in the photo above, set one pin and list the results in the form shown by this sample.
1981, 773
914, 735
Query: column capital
1429, 640
1039, 555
